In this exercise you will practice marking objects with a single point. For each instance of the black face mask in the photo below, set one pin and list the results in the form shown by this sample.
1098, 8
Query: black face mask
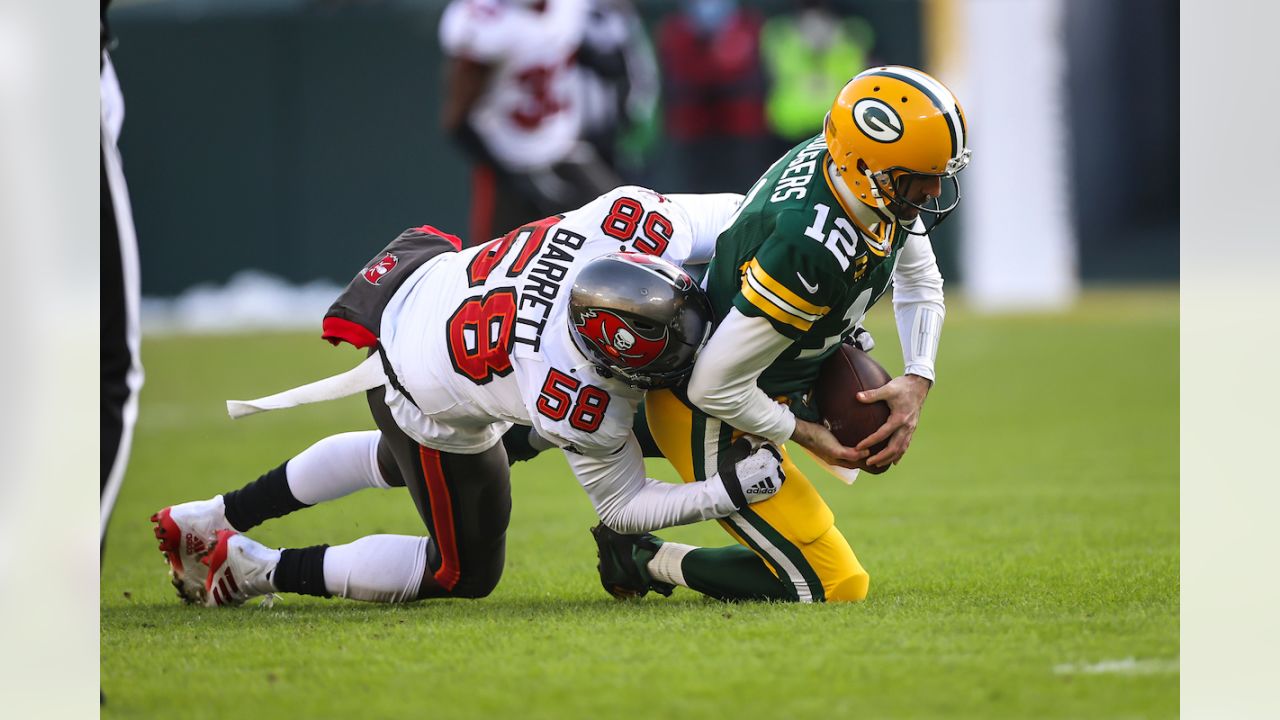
931, 213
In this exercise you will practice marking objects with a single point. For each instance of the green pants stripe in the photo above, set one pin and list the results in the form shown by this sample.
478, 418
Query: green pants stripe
710, 438
785, 557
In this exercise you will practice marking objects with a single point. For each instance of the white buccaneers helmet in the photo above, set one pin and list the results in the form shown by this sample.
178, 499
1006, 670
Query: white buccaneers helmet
892, 126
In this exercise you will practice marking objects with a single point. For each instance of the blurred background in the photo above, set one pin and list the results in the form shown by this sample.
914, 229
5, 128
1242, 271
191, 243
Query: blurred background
297, 137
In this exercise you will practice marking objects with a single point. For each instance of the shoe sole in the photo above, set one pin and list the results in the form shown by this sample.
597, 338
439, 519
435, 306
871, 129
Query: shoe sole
170, 537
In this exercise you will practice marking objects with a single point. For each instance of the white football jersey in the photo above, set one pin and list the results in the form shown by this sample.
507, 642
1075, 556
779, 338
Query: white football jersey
480, 338
529, 116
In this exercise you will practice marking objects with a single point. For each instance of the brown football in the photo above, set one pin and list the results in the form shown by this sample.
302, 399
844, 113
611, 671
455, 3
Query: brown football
847, 372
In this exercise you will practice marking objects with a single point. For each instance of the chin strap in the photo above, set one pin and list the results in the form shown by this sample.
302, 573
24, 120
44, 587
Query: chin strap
836, 174
875, 191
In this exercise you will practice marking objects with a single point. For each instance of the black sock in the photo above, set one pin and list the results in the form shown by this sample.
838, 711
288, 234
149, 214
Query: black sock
301, 571
267, 497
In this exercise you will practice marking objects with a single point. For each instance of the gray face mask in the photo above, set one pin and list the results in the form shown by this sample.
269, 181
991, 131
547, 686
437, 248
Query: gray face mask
710, 15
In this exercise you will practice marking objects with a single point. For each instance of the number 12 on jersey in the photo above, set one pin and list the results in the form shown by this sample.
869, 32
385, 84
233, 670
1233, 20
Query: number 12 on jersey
840, 241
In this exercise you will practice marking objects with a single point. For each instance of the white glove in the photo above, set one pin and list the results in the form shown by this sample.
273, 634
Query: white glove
751, 471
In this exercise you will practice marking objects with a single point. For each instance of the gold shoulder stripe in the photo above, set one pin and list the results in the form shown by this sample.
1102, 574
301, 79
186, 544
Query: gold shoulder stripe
772, 310
783, 292
749, 280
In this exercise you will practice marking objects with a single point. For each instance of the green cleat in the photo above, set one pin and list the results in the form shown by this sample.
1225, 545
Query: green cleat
623, 561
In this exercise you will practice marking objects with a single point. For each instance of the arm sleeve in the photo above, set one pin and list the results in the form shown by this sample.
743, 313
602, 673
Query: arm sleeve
723, 384
708, 214
918, 306
629, 502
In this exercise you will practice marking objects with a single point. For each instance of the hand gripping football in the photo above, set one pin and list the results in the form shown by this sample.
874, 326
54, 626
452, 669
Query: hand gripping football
847, 372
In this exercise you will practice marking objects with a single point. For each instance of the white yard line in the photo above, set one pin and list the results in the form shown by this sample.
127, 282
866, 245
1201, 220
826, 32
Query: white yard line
1126, 666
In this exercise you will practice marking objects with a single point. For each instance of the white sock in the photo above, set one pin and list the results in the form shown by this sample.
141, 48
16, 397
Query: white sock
336, 466
665, 565
377, 568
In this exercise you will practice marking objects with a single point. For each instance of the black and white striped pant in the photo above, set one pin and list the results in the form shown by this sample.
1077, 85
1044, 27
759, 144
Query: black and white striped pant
120, 364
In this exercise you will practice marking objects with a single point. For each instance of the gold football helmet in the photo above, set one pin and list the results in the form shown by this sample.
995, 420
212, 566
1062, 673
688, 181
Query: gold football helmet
892, 127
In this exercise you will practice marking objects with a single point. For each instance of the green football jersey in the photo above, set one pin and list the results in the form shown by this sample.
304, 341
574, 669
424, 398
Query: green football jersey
793, 256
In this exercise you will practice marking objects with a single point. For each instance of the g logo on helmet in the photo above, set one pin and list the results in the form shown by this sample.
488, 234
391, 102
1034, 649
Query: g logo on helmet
877, 120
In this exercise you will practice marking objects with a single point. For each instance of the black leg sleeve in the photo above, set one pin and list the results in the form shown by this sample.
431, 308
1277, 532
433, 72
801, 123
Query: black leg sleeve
301, 571
263, 499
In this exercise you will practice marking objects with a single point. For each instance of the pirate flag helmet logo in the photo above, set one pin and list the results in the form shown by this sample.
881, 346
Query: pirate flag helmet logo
621, 341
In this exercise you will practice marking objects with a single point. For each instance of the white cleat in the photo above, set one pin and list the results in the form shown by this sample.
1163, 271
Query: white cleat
186, 533
239, 568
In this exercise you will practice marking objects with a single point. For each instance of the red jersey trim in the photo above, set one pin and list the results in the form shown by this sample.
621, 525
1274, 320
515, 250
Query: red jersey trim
454, 240
336, 330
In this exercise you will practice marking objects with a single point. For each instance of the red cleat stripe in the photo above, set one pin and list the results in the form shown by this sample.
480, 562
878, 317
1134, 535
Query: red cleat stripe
231, 581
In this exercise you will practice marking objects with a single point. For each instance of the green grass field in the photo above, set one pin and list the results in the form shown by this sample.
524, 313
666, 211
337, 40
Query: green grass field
1023, 558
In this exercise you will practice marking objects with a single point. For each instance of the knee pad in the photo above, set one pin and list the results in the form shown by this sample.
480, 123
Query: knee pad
832, 559
476, 585
851, 589
480, 579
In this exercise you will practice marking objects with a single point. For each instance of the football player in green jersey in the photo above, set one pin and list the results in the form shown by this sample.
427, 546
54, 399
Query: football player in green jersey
818, 239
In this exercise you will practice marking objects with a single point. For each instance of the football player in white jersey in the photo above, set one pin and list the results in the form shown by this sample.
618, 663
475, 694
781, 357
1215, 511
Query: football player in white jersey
562, 324
512, 102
